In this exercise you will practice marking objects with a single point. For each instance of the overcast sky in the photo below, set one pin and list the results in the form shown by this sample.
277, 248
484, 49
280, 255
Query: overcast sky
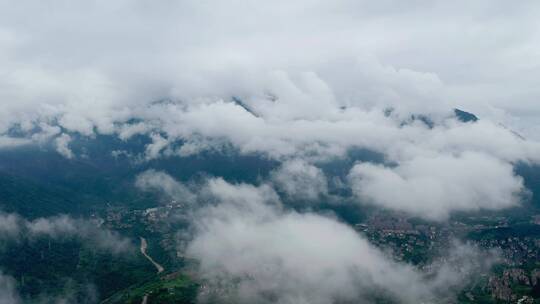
482, 56
315, 78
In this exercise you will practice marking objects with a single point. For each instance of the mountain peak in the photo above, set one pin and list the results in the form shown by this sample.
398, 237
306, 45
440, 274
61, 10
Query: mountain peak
464, 116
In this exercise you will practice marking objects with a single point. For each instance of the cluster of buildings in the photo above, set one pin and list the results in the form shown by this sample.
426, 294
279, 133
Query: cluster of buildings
516, 280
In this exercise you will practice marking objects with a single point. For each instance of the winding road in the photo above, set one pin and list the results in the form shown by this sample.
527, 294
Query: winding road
160, 269
145, 299
144, 246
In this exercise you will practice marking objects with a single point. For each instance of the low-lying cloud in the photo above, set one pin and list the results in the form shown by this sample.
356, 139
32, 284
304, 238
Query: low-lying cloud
251, 250
191, 50
10, 295
300, 181
434, 186
192, 76
152, 180
14, 227
8, 290
62, 146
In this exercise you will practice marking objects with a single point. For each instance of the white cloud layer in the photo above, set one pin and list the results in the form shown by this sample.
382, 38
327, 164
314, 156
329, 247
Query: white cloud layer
433, 187
58, 69
250, 247
473, 54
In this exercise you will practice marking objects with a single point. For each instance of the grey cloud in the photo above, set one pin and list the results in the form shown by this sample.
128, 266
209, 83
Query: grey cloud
164, 183
127, 131
62, 146
9, 225
8, 291
11, 142
240, 195
300, 180
10, 295
193, 50
317, 86
46, 132
14, 227
153, 149
206, 191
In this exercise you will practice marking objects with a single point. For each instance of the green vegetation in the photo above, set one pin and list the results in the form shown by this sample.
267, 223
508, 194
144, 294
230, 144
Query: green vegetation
67, 266
173, 288
37, 182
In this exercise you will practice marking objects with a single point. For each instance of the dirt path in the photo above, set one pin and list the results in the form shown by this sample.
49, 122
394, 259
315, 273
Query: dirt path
145, 299
144, 246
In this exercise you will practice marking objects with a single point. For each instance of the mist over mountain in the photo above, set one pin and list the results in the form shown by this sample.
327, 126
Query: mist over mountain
294, 153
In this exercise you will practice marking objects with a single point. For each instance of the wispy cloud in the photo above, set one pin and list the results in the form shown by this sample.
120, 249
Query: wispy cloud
14, 227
